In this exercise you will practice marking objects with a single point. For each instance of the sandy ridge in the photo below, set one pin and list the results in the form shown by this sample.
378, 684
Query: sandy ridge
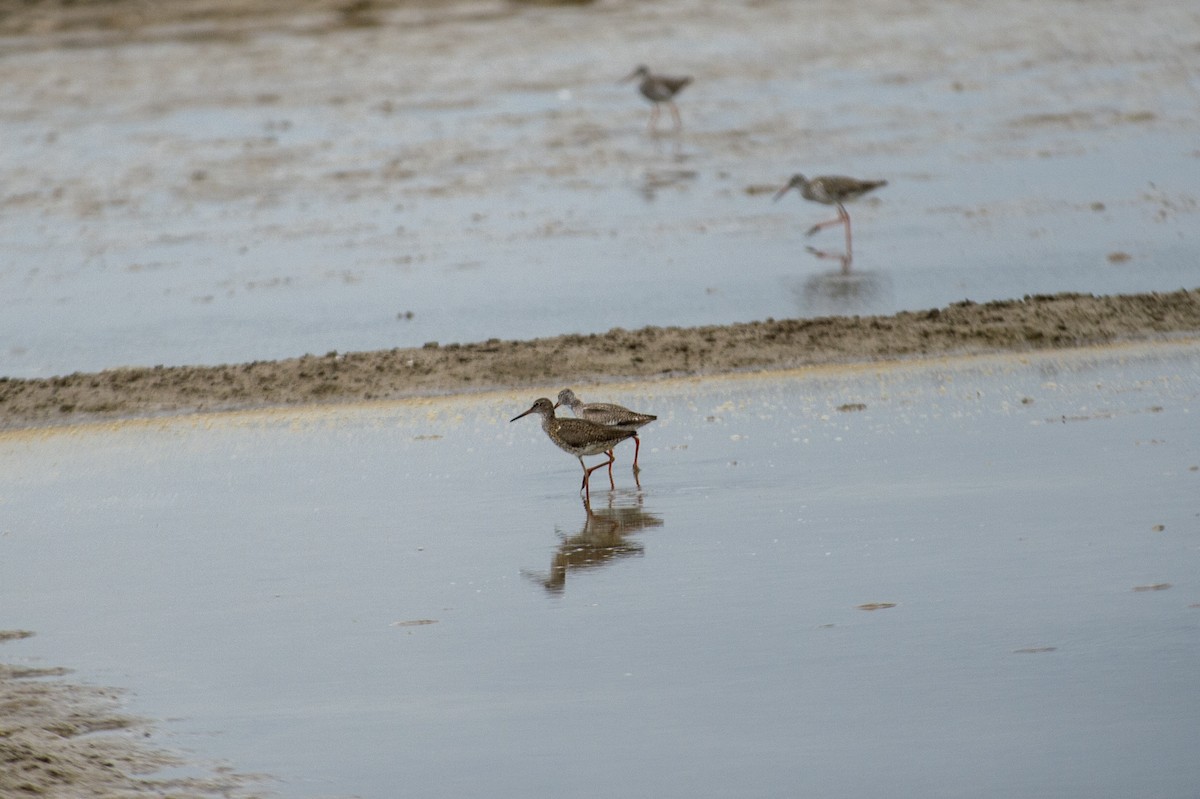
1037, 322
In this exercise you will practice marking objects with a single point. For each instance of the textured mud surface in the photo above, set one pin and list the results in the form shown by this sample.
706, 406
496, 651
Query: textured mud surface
648, 353
205, 182
62, 739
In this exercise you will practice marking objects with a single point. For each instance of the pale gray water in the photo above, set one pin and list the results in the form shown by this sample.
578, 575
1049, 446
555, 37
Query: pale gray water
255, 577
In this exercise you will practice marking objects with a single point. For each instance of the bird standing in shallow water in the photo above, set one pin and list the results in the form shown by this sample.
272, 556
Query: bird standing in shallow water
660, 89
578, 437
832, 190
609, 415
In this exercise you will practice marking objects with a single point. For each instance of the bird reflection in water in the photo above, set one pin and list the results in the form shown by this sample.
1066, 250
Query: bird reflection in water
844, 292
677, 179
601, 540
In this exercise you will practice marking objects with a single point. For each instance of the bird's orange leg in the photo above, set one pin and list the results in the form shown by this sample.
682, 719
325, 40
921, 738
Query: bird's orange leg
588, 473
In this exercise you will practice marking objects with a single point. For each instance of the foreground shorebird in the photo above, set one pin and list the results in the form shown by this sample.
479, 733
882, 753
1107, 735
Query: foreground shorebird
609, 415
660, 89
578, 437
832, 190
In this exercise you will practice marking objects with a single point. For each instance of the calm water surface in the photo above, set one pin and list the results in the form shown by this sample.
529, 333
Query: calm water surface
411, 599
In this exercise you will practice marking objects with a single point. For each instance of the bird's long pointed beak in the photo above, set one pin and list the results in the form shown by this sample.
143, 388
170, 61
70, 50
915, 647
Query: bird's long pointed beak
781, 192
518, 416
629, 77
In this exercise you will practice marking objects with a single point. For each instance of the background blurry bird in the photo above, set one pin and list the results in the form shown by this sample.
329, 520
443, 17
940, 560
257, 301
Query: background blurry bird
832, 190
660, 89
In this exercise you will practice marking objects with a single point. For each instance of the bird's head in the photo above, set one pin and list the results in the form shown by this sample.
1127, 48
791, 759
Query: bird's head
565, 397
797, 182
542, 405
641, 72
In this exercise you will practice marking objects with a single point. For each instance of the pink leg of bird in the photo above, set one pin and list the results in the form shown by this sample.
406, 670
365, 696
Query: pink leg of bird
846, 217
843, 219
611, 459
837, 220
675, 115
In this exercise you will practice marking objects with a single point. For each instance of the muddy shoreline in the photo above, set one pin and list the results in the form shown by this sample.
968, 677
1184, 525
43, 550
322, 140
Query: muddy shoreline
65, 739
1031, 323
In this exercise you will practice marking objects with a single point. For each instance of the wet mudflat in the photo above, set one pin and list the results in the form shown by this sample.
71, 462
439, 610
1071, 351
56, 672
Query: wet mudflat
217, 188
972, 575
858, 580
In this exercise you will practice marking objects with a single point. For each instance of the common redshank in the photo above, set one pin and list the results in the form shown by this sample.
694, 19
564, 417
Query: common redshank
578, 437
659, 89
833, 190
609, 415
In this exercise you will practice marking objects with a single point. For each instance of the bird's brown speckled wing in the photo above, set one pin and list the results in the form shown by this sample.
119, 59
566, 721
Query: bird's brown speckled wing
845, 188
674, 85
608, 413
592, 438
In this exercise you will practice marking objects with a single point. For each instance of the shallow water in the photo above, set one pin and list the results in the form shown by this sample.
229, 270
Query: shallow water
412, 598
215, 201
